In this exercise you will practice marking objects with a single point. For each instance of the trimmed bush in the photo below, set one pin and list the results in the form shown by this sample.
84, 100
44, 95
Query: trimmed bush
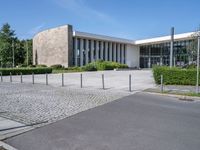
89, 67
41, 66
58, 66
174, 76
103, 65
25, 71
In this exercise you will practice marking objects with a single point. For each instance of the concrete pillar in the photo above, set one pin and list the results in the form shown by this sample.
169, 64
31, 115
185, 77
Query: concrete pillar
118, 53
122, 53
106, 51
149, 61
125, 52
86, 51
97, 50
92, 51
114, 52
75, 51
110, 51
171, 47
81, 52
102, 50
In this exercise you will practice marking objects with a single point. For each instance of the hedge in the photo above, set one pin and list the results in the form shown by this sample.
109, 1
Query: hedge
103, 65
25, 71
174, 76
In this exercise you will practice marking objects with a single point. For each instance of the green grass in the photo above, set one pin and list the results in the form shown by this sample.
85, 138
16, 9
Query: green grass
55, 71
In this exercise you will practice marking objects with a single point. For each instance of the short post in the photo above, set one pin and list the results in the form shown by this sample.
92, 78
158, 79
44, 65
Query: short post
81, 80
161, 83
33, 80
63, 79
21, 77
46, 78
103, 84
130, 83
10, 77
1, 77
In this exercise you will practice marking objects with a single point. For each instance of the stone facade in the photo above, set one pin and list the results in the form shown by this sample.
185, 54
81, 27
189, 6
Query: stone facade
54, 46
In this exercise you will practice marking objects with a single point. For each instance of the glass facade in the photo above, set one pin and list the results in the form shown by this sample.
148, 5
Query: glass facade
159, 54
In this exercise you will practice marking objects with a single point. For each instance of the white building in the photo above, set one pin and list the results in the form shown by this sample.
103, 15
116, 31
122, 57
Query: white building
63, 45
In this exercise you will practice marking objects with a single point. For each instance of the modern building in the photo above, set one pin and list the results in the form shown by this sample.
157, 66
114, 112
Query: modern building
63, 45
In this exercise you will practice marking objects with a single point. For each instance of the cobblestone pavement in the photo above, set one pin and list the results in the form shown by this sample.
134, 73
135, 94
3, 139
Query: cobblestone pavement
28, 103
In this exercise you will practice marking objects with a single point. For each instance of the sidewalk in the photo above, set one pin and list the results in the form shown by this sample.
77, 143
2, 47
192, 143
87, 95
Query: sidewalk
9, 128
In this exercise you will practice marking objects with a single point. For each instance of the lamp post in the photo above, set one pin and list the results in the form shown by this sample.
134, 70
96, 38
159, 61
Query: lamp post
197, 80
195, 36
13, 55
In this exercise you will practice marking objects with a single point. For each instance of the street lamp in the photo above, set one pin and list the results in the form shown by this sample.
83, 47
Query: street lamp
197, 35
13, 54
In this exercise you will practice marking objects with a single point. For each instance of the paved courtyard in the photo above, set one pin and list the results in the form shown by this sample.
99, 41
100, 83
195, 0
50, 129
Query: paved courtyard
28, 103
136, 122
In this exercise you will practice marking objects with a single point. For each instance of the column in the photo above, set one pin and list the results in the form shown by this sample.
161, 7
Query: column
118, 53
106, 51
149, 60
75, 51
122, 54
86, 51
114, 52
92, 51
97, 50
101, 51
110, 51
81, 52
125, 54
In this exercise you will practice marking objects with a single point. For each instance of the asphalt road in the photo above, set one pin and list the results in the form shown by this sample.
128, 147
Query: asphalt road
137, 122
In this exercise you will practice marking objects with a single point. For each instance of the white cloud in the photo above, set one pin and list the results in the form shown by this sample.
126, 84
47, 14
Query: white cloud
36, 29
80, 8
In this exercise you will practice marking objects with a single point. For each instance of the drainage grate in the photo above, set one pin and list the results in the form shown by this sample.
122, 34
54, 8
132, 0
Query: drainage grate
186, 99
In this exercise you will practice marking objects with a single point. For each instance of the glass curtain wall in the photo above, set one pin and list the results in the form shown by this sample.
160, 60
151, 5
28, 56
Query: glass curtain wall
159, 54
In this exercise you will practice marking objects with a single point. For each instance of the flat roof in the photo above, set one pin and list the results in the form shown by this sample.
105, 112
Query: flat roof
102, 37
183, 36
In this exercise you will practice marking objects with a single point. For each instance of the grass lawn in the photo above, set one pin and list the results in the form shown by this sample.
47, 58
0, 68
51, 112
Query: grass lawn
65, 71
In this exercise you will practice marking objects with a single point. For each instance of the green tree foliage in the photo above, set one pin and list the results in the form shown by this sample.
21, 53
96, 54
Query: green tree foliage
7, 37
11, 46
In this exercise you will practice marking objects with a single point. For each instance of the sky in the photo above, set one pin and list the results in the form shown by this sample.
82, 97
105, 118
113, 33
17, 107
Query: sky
130, 19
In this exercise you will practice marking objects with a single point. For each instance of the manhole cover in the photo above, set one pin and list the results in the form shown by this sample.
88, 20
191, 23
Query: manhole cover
186, 99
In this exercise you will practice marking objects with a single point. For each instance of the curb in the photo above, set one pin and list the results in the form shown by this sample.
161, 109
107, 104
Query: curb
174, 95
6, 146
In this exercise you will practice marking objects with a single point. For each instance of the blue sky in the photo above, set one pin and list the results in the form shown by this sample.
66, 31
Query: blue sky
131, 19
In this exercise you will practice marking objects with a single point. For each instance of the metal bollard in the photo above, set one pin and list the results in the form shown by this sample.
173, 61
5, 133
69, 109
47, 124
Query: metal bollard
130, 83
1, 77
33, 79
46, 78
81, 80
21, 77
103, 84
10, 77
161, 83
63, 79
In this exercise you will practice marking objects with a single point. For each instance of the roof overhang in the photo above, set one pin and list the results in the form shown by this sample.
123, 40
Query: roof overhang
101, 37
177, 37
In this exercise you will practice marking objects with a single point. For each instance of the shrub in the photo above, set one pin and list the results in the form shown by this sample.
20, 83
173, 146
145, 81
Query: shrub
25, 71
58, 66
41, 66
174, 76
103, 65
89, 67
32, 66
22, 66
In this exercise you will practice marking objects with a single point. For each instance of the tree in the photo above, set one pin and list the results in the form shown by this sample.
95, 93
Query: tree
9, 43
7, 37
